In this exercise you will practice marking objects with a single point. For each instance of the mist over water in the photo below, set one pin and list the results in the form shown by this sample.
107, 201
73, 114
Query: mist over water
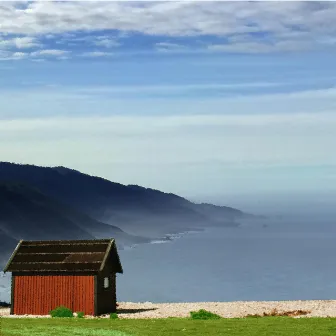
288, 256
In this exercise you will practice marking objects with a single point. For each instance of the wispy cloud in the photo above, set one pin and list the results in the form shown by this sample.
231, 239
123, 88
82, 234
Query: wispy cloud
132, 101
224, 26
102, 41
17, 55
12, 56
170, 47
97, 54
49, 52
26, 42
171, 89
178, 147
261, 47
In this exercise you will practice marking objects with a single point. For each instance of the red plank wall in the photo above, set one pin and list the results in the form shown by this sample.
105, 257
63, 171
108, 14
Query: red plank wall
37, 295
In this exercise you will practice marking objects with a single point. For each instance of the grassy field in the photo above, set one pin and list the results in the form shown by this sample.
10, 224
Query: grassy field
267, 326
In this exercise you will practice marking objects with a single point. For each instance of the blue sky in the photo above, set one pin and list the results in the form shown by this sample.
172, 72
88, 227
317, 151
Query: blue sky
210, 100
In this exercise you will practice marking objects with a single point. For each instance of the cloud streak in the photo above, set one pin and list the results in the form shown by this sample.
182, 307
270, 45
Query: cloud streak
49, 52
237, 26
153, 100
27, 42
198, 149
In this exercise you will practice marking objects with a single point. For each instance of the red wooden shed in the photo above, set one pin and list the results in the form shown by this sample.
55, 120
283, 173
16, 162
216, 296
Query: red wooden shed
78, 274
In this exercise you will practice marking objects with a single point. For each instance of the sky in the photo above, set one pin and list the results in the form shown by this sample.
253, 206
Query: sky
209, 100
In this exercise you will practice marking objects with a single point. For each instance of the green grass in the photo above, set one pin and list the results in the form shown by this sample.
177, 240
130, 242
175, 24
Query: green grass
266, 326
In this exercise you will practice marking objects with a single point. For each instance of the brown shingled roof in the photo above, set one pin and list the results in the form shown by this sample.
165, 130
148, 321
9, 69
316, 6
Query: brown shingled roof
72, 256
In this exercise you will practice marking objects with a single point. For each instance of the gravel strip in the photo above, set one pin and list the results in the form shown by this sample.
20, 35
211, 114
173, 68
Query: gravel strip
317, 308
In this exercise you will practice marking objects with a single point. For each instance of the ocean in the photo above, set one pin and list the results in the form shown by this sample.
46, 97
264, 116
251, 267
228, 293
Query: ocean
290, 259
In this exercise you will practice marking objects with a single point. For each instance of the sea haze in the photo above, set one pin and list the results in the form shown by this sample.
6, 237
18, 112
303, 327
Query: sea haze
288, 256
292, 258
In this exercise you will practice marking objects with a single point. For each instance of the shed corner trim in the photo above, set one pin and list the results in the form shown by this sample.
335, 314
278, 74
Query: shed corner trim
108, 250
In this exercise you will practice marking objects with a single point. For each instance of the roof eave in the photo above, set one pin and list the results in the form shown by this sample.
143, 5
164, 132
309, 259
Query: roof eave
12, 256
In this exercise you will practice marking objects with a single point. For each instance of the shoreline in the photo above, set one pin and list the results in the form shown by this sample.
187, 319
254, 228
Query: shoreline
167, 238
237, 309
178, 234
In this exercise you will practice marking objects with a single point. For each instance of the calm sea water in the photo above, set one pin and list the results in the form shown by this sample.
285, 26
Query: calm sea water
291, 259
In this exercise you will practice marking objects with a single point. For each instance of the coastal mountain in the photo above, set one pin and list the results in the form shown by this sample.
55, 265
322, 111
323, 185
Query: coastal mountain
26, 213
137, 210
60, 203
